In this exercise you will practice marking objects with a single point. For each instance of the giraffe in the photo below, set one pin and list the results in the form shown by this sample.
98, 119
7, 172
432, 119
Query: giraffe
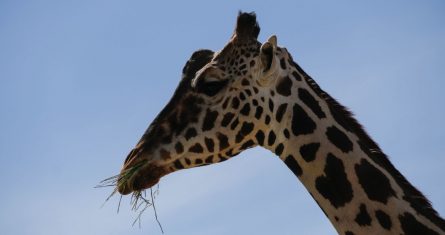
253, 94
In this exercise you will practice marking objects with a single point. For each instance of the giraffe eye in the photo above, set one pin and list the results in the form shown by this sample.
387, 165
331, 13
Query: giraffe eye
211, 88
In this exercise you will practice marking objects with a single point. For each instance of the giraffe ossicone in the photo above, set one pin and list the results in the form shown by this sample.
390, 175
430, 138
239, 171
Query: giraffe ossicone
253, 94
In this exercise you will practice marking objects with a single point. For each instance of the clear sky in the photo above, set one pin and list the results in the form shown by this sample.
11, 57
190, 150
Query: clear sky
81, 80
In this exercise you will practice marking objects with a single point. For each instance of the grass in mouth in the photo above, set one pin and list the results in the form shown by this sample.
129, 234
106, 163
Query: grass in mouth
139, 201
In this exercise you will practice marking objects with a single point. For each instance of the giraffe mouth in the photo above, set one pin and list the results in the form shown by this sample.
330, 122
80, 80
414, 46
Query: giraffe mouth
140, 178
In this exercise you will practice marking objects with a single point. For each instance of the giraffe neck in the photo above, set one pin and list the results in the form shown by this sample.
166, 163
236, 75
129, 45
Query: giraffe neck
343, 169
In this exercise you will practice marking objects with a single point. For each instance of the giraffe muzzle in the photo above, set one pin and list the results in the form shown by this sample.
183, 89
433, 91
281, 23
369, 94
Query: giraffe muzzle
143, 178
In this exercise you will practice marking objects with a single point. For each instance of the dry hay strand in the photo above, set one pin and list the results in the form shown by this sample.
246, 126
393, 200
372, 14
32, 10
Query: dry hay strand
139, 201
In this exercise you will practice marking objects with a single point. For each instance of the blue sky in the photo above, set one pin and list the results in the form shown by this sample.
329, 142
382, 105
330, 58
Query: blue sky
81, 80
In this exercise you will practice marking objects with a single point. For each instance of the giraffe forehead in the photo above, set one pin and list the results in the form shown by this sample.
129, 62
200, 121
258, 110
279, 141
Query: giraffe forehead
233, 53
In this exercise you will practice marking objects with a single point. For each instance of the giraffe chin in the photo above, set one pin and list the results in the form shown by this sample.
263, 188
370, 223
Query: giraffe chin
145, 178
144, 183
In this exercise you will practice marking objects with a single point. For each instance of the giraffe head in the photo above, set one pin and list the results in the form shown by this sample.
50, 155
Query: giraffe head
221, 107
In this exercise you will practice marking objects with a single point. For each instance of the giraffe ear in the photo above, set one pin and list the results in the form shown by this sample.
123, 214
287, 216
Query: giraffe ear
268, 58
198, 59
273, 40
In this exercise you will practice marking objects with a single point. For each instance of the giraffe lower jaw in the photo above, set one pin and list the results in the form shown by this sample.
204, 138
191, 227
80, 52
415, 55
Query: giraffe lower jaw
143, 179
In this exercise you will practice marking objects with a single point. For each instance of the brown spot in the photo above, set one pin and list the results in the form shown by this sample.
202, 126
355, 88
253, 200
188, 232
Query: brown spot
209, 159
284, 86
210, 144
179, 148
197, 148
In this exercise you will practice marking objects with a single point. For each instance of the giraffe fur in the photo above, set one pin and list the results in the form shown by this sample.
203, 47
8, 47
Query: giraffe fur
253, 94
